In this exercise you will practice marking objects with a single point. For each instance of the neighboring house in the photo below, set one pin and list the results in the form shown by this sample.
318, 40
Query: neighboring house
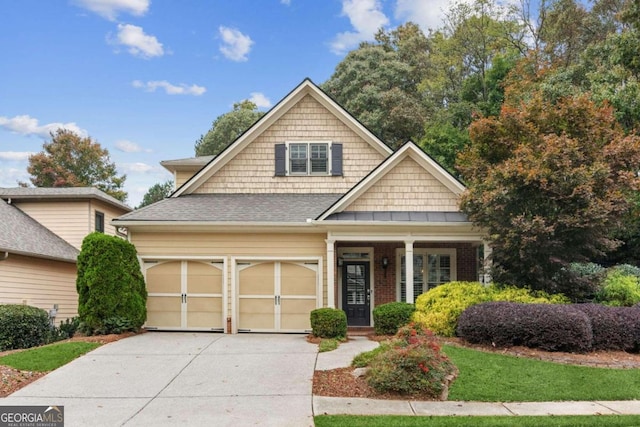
306, 209
41, 233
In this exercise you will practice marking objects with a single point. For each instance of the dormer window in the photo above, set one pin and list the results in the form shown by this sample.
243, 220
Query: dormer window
308, 158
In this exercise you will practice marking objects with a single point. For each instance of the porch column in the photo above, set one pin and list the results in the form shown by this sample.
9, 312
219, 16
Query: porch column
486, 263
331, 273
408, 264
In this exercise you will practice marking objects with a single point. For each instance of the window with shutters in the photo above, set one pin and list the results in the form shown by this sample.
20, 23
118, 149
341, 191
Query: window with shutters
431, 267
308, 158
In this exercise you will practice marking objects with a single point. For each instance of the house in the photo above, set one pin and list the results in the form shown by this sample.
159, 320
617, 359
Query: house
306, 209
41, 233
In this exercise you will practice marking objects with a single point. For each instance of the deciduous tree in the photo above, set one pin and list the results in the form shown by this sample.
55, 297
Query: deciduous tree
156, 193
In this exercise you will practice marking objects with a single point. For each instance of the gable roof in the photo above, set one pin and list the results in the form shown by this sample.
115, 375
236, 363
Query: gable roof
20, 234
29, 194
188, 164
307, 87
408, 150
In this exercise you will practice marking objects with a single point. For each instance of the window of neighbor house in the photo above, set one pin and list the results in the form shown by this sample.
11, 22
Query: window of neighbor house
99, 221
431, 267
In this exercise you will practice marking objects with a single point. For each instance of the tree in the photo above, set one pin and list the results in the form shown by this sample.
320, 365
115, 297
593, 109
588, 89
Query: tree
377, 83
111, 291
156, 193
227, 128
70, 160
550, 182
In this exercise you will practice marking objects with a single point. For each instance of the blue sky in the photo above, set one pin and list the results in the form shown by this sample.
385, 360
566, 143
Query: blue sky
146, 78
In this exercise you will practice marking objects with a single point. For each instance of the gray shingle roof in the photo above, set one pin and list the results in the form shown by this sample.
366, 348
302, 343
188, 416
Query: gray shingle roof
399, 216
19, 233
60, 193
277, 208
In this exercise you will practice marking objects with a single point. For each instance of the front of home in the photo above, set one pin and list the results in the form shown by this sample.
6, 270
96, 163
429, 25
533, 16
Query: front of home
306, 209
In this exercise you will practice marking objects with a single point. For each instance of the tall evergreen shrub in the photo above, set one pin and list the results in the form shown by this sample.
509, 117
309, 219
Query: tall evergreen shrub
111, 288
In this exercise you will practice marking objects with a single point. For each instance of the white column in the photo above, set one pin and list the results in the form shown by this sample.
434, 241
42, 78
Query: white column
486, 263
408, 263
331, 273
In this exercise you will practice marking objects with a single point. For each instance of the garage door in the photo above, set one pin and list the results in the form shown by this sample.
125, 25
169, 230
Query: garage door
276, 296
184, 295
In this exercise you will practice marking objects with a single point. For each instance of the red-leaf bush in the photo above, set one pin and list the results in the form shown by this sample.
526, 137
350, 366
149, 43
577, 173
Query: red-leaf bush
412, 365
545, 326
614, 328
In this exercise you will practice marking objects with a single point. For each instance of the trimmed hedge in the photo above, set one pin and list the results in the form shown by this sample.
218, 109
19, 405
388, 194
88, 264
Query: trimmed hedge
549, 327
614, 328
23, 326
388, 318
328, 323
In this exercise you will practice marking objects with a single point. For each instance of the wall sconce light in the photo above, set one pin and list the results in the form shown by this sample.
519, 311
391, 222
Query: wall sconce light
340, 261
385, 263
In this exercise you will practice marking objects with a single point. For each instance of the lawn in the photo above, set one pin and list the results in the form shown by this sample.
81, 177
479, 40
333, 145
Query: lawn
492, 377
47, 358
506, 421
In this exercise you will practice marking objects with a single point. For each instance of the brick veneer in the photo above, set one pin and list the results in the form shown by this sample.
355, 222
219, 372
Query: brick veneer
385, 281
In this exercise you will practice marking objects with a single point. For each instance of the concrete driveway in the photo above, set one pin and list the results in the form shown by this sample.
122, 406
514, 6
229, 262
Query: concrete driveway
179, 378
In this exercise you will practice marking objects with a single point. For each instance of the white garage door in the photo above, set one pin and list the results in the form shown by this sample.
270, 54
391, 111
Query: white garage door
276, 296
184, 295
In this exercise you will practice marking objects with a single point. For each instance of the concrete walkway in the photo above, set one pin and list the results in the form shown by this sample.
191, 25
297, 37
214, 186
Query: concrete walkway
343, 356
164, 378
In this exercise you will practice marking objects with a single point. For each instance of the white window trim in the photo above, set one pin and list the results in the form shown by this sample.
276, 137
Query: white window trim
423, 252
329, 144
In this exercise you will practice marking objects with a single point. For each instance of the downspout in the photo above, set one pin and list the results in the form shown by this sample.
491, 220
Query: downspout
5, 256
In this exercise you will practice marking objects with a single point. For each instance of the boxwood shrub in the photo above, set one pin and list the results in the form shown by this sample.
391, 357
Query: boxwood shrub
550, 327
23, 326
329, 323
388, 318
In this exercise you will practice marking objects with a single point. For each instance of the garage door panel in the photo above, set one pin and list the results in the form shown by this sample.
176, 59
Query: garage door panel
295, 313
257, 279
257, 313
203, 278
204, 312
164, 311
164, 278
297, 280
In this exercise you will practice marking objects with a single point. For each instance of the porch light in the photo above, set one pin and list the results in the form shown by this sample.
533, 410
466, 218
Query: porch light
340, 261
385, 262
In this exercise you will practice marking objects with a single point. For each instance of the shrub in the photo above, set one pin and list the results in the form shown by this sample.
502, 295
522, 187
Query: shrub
619, 289
329, 323
614, 328
546, 326
413, 365
110, 286
23, 326
66, 330
439, 308
627, 270
388, 318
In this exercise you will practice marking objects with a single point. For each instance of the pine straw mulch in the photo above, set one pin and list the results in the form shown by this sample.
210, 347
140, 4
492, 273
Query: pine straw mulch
342, 383
12, 379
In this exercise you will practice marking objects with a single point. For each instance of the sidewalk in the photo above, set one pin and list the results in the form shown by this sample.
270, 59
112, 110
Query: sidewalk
342, 357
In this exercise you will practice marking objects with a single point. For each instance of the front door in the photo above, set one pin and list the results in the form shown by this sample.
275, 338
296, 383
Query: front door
356, 293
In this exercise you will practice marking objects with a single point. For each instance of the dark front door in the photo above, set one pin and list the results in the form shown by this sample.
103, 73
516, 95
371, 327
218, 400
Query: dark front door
355, 293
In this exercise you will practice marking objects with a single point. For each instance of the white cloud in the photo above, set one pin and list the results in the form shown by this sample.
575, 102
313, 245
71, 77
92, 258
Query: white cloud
110, 9
135, 167
129, 147
428, 15
15, 156
9, 177
236, 46
260, 100
27, 125
170, 89
139, 43
286, 2
366, 17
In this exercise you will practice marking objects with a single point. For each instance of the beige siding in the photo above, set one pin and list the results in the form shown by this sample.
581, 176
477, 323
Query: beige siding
39, 283
109, 213
252, 170
185, 245
407, 187
69, 220
183, 176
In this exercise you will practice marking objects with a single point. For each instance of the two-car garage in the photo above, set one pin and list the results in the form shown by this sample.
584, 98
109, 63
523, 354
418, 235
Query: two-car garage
254, 294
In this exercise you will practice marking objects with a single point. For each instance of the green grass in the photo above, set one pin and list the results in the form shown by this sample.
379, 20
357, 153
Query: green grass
47, 358
409, 421
492, 377
328, 344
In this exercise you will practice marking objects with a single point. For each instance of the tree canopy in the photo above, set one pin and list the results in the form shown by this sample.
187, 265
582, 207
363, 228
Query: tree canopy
227, 127
70, 160
156, 192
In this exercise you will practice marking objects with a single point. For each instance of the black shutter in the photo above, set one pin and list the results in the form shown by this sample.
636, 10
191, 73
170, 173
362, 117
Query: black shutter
281, 159
336, 159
